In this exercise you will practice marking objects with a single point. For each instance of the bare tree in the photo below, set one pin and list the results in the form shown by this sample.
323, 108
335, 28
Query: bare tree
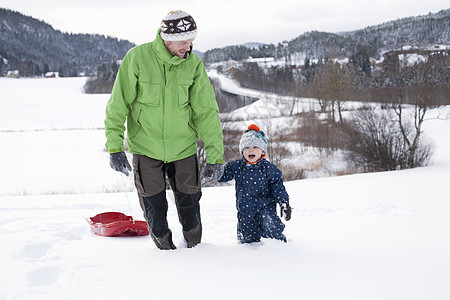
384, 142
416, 90
316, 88
334, 83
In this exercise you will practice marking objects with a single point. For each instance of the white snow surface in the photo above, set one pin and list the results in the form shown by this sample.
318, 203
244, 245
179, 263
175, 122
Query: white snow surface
367, 236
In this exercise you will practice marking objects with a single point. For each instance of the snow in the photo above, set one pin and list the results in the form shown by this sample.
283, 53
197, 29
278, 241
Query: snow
366, 236
412, 59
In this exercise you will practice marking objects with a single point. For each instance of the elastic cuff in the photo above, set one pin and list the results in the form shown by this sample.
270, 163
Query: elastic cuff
114, 150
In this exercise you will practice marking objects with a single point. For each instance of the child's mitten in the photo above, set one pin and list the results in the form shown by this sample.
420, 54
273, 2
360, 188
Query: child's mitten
286, 211
212, 172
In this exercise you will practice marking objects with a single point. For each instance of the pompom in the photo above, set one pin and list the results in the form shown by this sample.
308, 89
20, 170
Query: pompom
253, 127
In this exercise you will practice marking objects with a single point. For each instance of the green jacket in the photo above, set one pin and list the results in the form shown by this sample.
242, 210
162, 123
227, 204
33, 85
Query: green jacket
168, 103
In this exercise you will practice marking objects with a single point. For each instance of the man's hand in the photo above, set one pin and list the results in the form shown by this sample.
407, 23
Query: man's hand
212, 172
119, 162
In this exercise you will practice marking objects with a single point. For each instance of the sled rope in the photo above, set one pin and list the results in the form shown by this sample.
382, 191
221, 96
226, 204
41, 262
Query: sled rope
126, 195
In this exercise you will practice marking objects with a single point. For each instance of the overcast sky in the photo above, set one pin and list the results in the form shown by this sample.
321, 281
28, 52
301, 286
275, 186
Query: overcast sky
221, 22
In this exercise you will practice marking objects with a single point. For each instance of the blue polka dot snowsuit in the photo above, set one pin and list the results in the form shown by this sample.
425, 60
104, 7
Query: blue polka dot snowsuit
259, 187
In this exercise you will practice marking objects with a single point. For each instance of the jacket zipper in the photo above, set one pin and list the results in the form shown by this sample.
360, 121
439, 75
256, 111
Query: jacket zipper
163, 113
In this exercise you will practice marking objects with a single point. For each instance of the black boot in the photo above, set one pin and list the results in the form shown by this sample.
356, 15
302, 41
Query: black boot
165, 242
193, 237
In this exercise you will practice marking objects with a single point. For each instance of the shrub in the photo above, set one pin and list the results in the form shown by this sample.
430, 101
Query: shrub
376, 142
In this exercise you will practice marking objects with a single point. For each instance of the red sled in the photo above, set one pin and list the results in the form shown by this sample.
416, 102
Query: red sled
117, 224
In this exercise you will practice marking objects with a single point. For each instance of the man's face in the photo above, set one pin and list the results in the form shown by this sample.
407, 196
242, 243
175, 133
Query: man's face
179, 48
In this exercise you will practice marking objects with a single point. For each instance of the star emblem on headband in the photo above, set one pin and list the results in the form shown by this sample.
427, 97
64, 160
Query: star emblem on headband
183, 25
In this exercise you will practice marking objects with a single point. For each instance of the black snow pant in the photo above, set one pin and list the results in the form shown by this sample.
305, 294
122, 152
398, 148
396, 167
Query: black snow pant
184, 178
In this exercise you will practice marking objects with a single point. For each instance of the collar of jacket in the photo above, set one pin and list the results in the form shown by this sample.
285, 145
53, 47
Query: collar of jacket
258, 164
254, 163
164, 55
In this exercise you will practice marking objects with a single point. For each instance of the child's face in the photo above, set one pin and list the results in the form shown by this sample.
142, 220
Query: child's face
252, 154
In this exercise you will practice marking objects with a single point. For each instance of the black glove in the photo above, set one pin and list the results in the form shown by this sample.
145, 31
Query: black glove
212, 172
285, 211
119, 162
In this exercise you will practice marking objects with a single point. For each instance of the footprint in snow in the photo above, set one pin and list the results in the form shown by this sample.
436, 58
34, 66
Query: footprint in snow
33, 250
43, 275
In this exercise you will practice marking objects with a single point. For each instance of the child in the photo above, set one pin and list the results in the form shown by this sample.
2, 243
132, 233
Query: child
259, 187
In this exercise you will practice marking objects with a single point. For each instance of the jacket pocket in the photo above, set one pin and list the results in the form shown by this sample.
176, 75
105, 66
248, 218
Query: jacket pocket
184, 83
150, 89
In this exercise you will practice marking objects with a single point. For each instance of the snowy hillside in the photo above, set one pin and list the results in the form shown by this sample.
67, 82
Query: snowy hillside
270, 105
33, 47
369, 236
426, 30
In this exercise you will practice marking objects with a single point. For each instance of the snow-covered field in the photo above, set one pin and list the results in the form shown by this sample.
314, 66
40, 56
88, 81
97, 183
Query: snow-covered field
367, 236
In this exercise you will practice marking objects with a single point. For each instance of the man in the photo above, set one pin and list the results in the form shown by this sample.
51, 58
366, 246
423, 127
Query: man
163, 92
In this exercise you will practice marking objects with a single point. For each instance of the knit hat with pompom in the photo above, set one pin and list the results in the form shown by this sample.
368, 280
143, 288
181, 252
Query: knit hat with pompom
255, 137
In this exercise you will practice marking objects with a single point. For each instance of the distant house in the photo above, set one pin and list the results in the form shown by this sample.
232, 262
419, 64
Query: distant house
260, 60
263, 62
410, 56
13, 74
230, 70
51, 75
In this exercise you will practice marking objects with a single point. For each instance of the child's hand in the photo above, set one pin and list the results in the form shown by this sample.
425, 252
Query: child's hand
212, 172
286, 211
